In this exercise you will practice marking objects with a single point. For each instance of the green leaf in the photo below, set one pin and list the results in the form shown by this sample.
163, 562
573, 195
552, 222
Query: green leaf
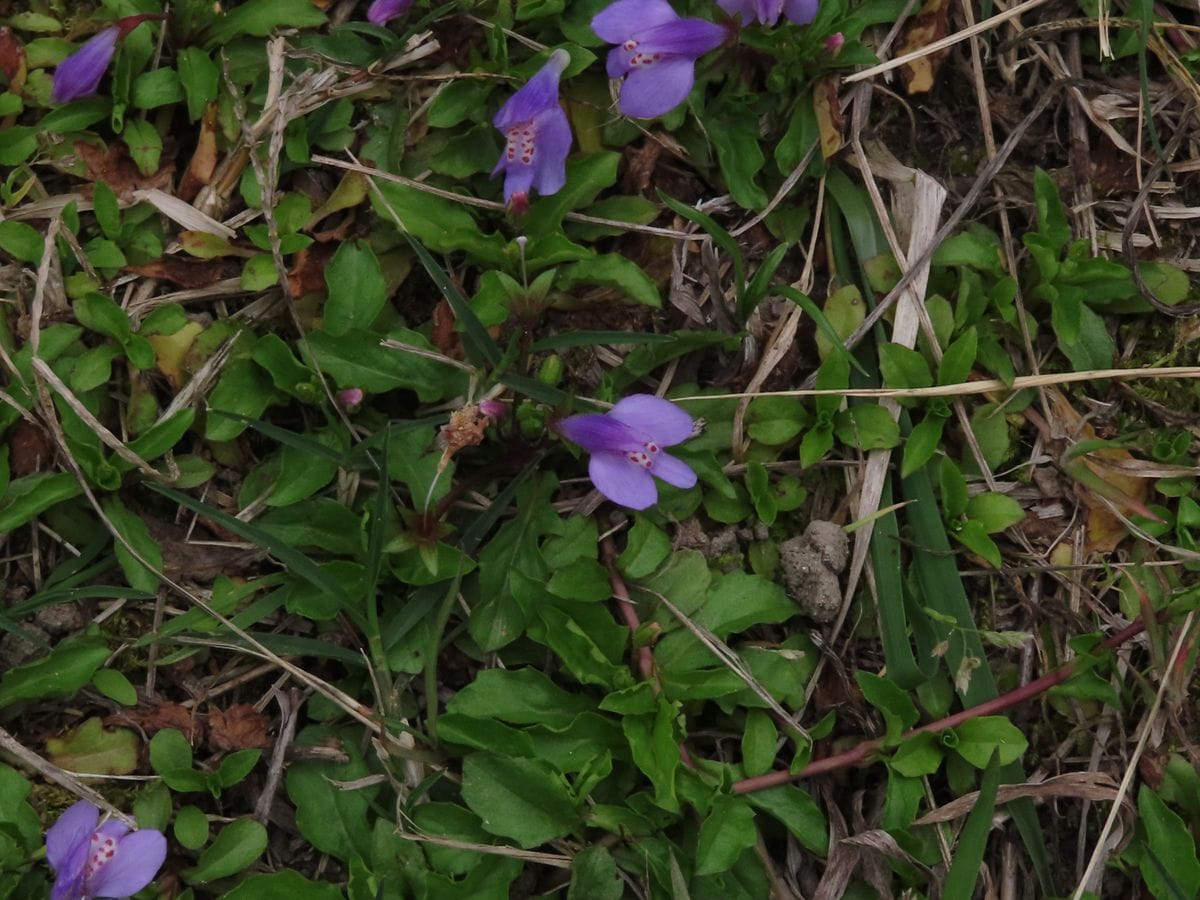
115, 686
956, 364
594, 876
95, 749
1052, 217
191, 827
758, 486
258, 18
245, 390
133, 529
972, 841
798, 812
922, 443
867, 426
522, 799
355, 359
903, 367
610, 270
238, 845
1094, 348
994, 512
898, 710
437, 224
1168, 839
654, 744
954, 488
972, 536
32, 495
978, 737
458, 101
331, 813
521, 696
283, 885
646, 547
734, 136
171, 759
198, 75
759, 741
21, 241
919, 755
158, 87
357, 291
587, 176
726, 831
66, 669
145, 145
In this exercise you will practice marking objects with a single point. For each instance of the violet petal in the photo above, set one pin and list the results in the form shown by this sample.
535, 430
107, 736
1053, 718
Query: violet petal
598, 433
553, 145
800, 12
136, 860
674, 471
383, 11
71, 829
625, 18
660, 420
79, 74
622, 481
537, 95
656, 90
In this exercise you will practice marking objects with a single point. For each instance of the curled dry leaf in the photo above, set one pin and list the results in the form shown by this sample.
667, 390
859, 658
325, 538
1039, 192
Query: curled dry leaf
204, 161
240, 727
1080, 785
164, 715
929, 25
186, 273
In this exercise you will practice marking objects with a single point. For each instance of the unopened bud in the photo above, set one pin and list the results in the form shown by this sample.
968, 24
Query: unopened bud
351, 398
833, 43
493, 409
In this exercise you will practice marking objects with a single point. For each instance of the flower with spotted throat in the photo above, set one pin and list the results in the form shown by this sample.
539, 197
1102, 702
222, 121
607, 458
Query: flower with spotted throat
656, 53
537, 136
104, 861
626, 444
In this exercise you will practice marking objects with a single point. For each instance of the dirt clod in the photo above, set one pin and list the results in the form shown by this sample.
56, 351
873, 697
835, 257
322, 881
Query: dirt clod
811, 564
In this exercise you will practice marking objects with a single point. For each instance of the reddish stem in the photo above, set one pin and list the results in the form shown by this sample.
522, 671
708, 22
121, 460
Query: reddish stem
861, 752
628, 613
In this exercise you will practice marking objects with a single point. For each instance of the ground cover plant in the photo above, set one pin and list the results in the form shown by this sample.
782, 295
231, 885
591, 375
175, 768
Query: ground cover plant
713, 448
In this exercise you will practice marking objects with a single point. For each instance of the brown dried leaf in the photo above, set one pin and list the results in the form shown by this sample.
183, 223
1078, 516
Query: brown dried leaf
829, 115
929, 25
444, 337
466, 428
31, 449
113, 166
12, 59
1081, 785
308, 275
241, 727
204, 161
186, 273
165, 715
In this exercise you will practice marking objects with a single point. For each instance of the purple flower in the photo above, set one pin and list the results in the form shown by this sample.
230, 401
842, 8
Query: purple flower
79, 74
626, 444
100, 862
800, 12
656, 52
383, 11
537, 136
